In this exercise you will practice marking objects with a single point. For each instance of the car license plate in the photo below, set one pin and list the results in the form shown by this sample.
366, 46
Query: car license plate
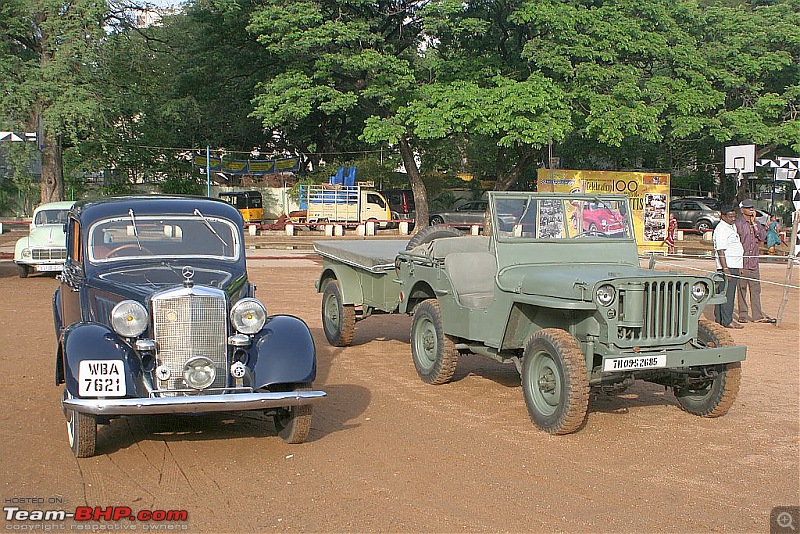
101, 378
50, 267
634, 363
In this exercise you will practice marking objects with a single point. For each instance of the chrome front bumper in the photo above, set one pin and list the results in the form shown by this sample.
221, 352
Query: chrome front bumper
229, 402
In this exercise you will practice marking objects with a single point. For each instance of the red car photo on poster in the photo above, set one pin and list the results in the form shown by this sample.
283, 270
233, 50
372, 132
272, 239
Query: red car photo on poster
599, 218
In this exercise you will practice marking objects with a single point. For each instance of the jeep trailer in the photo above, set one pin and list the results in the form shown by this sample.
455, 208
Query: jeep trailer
571, 308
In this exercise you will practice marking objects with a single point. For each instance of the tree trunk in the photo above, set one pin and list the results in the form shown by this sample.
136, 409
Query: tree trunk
417, 185
506, 180
52, 183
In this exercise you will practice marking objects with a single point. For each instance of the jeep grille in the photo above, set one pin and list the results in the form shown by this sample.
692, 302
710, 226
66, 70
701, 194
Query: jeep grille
666, 314
49, 253
186, 325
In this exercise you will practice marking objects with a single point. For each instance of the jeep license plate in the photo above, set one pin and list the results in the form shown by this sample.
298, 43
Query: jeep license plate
101, 378
635, 363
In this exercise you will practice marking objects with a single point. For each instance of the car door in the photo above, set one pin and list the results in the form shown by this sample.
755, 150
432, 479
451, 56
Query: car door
473, 212
676, 208
72, 278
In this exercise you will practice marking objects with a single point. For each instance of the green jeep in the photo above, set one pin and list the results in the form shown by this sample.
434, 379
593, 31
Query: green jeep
556, 288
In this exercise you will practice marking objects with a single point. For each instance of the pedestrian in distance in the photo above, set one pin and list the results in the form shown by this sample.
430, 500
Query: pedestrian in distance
773, 238
752, 233
672, 230
728, 254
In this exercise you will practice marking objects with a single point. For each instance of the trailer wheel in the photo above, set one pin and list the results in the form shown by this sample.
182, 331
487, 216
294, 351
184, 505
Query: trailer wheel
434, 352
428, 234
554, 381
714, 397
338, 319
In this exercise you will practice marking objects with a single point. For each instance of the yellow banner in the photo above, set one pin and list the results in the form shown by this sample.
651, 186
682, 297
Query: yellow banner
648, 193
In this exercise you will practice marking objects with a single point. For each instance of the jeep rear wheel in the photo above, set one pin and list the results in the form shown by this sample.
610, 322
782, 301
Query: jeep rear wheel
554, 381
294, 423
81, 431
714, 397
434, 352
338, 319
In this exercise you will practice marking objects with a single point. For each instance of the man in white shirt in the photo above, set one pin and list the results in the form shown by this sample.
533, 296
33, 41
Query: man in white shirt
729, 255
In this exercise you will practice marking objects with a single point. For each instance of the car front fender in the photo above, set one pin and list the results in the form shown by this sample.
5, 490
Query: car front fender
283, 353
97, 342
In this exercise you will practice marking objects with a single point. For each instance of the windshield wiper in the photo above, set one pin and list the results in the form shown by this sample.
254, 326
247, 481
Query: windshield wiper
135, 231
208, 225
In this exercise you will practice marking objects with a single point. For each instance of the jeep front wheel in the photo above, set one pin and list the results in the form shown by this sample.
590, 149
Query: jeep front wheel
338, 319
713, 397
554, 381
434, 352
81, 431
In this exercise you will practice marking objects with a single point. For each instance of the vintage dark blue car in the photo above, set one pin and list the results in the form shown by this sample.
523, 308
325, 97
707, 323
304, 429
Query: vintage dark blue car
155, 314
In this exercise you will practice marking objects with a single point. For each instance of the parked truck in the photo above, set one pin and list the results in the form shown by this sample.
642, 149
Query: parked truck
564, 301
342, 204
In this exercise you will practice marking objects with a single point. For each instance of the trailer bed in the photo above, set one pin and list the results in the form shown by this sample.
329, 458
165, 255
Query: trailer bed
374, 256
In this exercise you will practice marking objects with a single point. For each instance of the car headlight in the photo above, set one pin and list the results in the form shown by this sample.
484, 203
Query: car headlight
248, 316
199, 372
699, 291
606, 294
26, 253
129, 318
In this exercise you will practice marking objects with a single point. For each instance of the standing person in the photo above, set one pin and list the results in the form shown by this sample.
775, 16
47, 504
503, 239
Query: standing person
752, 233
672, 229
729, 256
773, 239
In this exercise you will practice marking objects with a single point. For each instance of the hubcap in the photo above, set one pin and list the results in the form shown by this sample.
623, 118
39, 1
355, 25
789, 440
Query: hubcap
545, 383
426, 343
332, 312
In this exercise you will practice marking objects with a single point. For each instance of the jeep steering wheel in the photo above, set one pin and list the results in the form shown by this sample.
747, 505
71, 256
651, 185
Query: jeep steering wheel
595, 233
114, 251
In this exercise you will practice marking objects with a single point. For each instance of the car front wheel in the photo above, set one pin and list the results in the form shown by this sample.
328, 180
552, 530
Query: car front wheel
81, 431
554, 381
23, 271
713, 397
294, 423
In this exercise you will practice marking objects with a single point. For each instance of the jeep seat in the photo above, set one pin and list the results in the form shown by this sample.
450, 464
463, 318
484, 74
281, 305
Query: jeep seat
472, 275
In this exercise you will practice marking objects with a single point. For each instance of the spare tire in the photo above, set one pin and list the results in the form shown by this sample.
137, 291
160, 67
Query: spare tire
429, 233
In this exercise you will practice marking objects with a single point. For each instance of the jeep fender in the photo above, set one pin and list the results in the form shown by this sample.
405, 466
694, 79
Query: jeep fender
283, 353
94, 341
348, 280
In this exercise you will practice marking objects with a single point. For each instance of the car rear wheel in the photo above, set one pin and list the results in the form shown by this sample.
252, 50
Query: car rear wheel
81, 431
294, 423
434, 352
714, 397
554, 381
338, 319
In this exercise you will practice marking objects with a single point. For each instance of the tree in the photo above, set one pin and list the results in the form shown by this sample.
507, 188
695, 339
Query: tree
48, 53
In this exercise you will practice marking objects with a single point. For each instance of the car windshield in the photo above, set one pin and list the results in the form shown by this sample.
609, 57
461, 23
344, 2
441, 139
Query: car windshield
163, 237
561, 218
43, 217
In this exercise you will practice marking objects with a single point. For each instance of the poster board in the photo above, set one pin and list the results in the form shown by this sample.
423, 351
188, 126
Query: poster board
648, 193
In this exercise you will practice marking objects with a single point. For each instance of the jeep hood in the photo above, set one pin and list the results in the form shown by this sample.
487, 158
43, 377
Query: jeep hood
566, 281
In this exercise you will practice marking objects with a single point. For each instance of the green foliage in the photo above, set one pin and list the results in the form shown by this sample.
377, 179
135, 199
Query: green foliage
182, 185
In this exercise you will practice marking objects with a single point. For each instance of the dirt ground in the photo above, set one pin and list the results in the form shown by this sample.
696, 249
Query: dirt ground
389, 453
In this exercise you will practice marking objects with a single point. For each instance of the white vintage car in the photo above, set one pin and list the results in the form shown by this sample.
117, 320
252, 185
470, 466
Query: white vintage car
44, 250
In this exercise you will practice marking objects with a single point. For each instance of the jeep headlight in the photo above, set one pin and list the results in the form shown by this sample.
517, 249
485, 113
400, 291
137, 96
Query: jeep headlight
129, 318
248, 316
605, 294
699, 291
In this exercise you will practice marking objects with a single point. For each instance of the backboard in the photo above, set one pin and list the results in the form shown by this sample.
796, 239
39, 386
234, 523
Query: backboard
740, 159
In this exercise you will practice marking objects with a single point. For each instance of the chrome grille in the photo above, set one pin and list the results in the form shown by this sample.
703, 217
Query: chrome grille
188, 324
49, 253
666, 314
